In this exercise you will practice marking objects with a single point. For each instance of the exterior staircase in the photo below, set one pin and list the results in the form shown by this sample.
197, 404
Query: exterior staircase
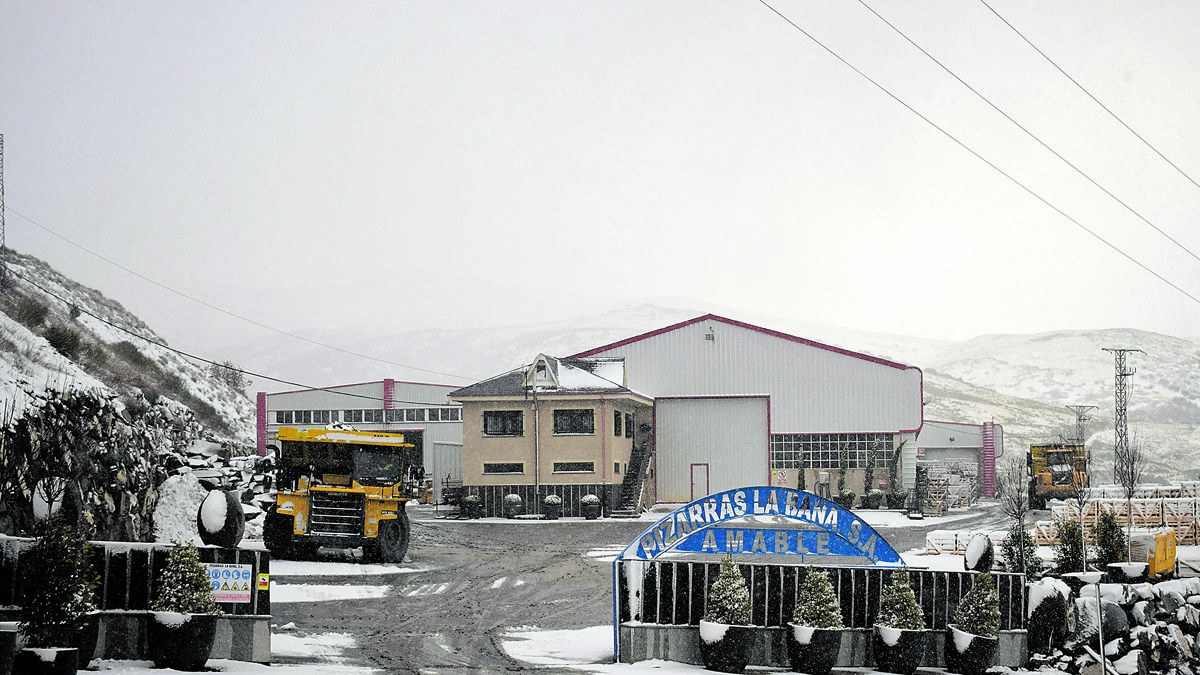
629, 500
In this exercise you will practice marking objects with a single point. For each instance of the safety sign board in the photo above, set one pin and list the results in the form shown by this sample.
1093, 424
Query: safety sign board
230, 583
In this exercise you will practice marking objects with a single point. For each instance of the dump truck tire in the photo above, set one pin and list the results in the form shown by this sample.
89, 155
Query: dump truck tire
277, 534
392, 543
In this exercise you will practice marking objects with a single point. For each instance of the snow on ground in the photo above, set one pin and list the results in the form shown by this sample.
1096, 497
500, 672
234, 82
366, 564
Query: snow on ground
285, 593
297, 568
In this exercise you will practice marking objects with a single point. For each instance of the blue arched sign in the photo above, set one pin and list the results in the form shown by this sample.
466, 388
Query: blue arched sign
765, 521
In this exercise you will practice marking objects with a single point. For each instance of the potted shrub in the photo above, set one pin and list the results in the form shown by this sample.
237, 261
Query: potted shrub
590, 505
846, 498
815, 637
971, 638
898, 642
873, 499
897, 499
512, 505
472, 506
725, 633
183, 616
551, 506
56, 593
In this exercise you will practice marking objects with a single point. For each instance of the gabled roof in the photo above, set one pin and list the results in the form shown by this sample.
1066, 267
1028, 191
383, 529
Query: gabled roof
740, 324
548, 374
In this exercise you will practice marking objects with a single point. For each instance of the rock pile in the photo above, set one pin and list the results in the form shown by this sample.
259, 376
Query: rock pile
101, 459
1146, 627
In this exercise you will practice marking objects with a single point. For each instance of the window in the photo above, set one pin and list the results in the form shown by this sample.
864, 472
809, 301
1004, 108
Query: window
617, 467
414, 415
503, 467
443, 414
320, 417
353, 416
822, 451
305, 416
629, 425
575, 421
617, 423
574, 467
502, 423
283, 417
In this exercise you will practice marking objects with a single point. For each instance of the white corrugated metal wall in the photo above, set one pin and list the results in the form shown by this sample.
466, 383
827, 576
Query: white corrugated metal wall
812, 389
727, 436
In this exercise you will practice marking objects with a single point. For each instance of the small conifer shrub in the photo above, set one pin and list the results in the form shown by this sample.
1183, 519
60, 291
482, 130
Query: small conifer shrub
898, 604
57, 586
552, 500
183, 585
1010, 551
978, 612
817, 604
589, 499
728, 597
1069, 551
1110, 540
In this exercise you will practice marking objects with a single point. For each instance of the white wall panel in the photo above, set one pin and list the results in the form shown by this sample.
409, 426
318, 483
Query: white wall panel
813, 388
730, 435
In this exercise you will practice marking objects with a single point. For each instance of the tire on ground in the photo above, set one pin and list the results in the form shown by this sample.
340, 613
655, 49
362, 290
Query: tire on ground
277, 534
391, 545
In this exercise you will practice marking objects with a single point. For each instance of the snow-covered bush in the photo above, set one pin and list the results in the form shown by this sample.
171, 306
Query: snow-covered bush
728, 597
978, 612
816, 603
898, 604
552, 500
183, 584
57, 586
512, 500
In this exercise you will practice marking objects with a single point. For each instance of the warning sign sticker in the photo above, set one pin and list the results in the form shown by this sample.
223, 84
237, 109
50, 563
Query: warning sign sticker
230, 583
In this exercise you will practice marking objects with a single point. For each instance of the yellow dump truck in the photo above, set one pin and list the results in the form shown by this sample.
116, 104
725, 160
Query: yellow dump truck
340, 489
1055, 469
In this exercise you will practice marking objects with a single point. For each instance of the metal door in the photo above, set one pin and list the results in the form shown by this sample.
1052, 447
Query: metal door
699, 481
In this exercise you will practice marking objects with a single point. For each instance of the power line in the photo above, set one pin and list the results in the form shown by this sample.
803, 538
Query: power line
1089, 95
227, 312
1029, 133
194, 357
978, 156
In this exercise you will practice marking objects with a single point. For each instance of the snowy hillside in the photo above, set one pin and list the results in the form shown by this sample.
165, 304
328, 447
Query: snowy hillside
108, 358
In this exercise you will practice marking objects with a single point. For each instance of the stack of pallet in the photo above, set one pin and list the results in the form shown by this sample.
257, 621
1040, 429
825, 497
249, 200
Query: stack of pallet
1179, 514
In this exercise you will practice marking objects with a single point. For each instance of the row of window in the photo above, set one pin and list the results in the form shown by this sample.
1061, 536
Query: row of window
368, 416
559, 467
823, 451
567, 421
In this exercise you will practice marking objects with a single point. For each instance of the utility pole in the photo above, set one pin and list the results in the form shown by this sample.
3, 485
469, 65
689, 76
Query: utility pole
3, 262
1121, 449
1081, 416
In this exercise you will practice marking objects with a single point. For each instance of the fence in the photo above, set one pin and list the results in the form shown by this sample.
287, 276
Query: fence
675, 592
129, 572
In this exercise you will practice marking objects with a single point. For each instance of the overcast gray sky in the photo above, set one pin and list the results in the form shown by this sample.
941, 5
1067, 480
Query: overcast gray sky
473, 163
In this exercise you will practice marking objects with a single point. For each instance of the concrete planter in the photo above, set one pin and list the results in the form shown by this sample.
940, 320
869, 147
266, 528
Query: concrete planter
181, 641
50, 661
967, 653
725, 649
897, 650
813, 650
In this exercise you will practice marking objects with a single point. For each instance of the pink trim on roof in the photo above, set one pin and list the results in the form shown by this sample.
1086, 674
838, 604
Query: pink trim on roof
740, 324
359, 384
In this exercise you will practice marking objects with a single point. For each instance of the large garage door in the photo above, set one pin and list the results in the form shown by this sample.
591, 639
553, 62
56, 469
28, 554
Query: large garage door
729, 435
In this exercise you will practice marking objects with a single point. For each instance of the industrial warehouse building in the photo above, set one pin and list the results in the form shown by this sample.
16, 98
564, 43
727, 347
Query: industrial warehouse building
717, 404
695, 408
421, 411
